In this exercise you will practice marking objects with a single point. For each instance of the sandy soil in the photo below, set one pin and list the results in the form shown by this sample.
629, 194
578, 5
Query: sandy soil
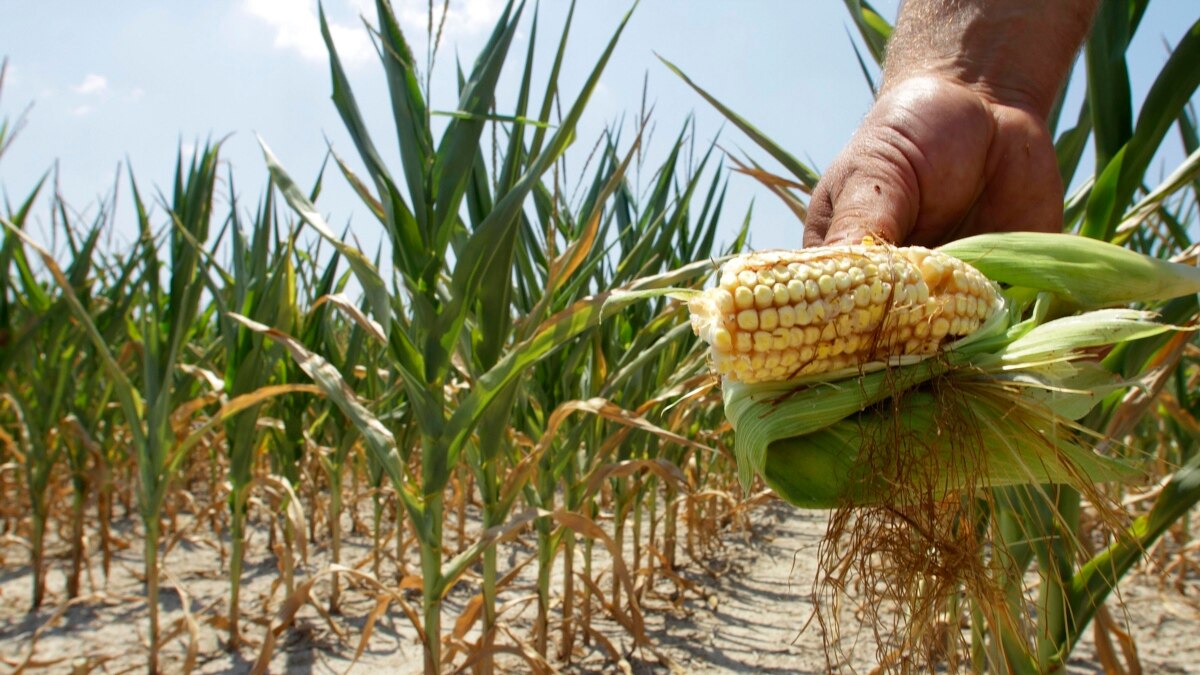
746, 611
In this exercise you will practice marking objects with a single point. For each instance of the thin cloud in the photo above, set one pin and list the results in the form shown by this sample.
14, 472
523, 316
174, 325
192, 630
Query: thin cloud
464, 18
81, 111
297, 29
91, 84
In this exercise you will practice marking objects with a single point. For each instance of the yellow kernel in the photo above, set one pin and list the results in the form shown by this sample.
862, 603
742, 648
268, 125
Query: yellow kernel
838, 348
779, 340
812, 335
763, 296
812, 290
724, 300
862, 320
729, 281
790, 357
857, 276
747, 319
795, 289
933, 270
845, 303
841, 280
768, 319
787, 316
960, 281
772, 361
878, 292
762, 341
722, 340
851, 343
921, 329
806, 354
828, 333
826, 284
795, 337
747, 278
781, 294
922, 292
743, 297
757, 361
843, 325
817, 311
876, 311
803, 318
940, 327
781, 273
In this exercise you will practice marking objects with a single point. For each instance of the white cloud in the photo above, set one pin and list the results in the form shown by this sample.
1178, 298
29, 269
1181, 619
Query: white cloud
465, 18
92, 84
297, 29
81, 111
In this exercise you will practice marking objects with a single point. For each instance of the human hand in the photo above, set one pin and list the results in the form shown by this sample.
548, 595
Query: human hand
937, 160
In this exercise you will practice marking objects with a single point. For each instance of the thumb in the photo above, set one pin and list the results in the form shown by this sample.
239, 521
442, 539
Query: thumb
850, 203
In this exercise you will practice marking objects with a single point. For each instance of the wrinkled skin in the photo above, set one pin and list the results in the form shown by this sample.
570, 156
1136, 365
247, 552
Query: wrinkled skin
937, 160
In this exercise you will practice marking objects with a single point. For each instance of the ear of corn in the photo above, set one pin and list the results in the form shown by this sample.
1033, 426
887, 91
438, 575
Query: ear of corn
801, 423
779, 314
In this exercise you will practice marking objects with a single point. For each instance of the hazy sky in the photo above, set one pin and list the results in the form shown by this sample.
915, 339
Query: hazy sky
116, 80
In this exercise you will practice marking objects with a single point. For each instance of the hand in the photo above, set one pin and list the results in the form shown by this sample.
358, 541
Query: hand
935, 160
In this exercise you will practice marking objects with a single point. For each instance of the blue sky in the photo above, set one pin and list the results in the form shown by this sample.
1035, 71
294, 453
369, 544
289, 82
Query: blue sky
110, 81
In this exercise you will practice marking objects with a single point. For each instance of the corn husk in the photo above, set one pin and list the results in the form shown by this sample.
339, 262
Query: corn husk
993, 409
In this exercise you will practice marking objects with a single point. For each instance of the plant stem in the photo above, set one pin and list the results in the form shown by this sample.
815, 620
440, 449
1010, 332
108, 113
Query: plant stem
431, 575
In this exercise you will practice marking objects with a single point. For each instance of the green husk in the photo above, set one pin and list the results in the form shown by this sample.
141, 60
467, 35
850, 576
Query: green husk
1086, 272
926, 446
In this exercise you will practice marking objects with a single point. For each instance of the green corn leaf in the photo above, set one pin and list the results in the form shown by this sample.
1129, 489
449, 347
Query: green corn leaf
556, 331
875, 30
1123, 175
501, 225
379, 440
805, 175
373, 287
1109, 96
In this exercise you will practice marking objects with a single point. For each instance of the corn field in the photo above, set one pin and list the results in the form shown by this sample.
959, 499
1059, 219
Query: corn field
498, 428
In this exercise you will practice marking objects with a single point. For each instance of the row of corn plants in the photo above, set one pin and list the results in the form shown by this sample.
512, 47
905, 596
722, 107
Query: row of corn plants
502, 370
505, 378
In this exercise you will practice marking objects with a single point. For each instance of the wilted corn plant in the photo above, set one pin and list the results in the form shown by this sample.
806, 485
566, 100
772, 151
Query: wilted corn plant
1029, 370
437, 320
259, 284
165, 319
651, 235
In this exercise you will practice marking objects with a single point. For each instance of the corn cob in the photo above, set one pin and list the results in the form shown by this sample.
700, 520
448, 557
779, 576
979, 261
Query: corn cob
779, 314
